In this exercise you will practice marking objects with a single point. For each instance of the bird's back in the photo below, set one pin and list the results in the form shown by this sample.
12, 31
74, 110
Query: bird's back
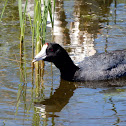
102, 66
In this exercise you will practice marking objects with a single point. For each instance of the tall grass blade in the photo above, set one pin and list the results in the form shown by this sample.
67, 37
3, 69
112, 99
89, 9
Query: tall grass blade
22, 18
53, 10
50, 12
3, 10
20, 12
32, 30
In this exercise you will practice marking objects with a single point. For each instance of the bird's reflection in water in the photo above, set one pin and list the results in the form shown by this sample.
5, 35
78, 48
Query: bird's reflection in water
61, 96
58, 100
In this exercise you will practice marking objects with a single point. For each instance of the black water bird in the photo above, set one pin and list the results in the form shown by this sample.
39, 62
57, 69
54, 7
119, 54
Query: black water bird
104, 66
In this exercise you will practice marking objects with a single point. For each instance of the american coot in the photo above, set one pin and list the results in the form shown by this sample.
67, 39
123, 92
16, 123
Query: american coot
97, 67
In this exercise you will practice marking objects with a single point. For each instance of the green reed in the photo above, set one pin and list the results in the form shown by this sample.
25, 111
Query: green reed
38, 26
40, 20
38, 29
22, 17
3, 9
23, 69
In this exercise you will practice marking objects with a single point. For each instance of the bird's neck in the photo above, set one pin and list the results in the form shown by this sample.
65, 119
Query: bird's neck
67, 68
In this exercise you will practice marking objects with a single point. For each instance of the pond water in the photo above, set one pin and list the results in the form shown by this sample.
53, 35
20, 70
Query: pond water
83, 27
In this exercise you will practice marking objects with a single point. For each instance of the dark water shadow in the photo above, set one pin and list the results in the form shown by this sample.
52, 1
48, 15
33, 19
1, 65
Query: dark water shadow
66, 89
60, 98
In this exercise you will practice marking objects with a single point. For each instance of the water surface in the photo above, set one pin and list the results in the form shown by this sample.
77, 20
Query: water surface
83, 28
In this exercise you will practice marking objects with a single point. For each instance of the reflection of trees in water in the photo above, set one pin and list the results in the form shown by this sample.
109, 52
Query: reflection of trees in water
77, 23
60, 24
90, 13
81, 31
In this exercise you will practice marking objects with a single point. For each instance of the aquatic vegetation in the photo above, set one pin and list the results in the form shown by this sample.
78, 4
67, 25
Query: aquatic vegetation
38, 24
3, 9
42, 10
22, 17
